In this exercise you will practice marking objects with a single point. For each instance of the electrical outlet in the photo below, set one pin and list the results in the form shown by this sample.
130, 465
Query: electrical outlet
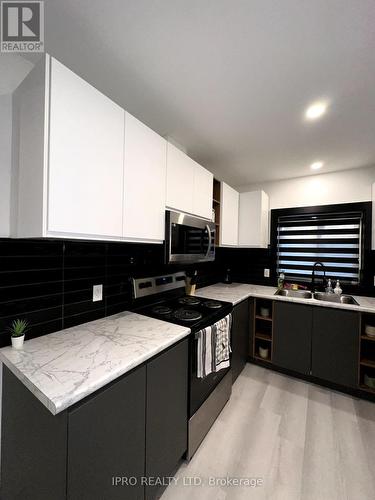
266, 273
97, 293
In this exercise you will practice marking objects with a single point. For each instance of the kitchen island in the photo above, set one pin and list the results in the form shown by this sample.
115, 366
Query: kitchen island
86, 405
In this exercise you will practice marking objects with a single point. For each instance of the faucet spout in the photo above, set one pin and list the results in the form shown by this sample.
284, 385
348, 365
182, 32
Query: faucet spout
314, 286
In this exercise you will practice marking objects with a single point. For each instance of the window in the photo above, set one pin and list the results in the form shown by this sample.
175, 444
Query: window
333, 239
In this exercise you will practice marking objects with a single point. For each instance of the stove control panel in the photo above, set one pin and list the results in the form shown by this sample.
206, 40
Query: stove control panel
163, 280
157, 284
145, 284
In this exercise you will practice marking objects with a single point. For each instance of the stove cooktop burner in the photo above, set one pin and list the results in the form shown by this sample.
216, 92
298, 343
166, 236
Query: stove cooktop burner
187, 315
162, 310
213, 304
189, 301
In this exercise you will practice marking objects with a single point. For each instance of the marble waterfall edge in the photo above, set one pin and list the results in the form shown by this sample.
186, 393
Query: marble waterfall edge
64, 367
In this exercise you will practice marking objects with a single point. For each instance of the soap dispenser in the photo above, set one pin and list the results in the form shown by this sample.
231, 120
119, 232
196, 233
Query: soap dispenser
329, 288
280, 281
338, 289
227, 277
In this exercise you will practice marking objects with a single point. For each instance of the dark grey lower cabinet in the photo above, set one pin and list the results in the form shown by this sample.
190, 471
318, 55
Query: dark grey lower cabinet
319, 341
107, 439
292, 329
33, 446
166, 414
103, 447
335, 346
242, 319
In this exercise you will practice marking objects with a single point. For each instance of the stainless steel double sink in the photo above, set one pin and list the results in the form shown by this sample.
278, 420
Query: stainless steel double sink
300, 294
325, 297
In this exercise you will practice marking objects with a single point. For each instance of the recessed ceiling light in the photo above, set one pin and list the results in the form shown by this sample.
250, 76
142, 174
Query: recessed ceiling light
316, 110
316, 165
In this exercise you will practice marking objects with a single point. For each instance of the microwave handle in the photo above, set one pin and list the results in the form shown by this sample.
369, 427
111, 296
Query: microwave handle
210, 240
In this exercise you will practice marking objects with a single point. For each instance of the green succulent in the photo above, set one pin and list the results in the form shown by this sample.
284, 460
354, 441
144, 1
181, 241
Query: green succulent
19, 327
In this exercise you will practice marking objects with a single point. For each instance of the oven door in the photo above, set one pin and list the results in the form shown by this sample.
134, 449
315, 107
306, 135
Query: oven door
200, 388
189, 239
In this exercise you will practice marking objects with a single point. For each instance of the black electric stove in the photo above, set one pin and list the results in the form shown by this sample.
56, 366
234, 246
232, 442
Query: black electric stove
193, 312
162, 297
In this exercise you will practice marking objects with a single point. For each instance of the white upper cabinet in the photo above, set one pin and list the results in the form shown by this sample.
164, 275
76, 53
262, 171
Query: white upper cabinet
180, 180
229, 216
144, 182
253, 219
202, 194
68, 180
85, 174
189, 185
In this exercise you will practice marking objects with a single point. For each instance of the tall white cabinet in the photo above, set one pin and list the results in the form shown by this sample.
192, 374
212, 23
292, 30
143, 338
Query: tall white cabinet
253, 219
189, 185
202, 192
69, 173
144, 182
180, 180
86, 158
244, 218
229, 216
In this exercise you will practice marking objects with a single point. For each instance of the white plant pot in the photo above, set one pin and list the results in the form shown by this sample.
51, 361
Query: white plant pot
263, 352
17, 342
370, 331
265, 312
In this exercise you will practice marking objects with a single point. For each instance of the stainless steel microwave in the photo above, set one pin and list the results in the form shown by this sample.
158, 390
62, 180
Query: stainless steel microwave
188, 239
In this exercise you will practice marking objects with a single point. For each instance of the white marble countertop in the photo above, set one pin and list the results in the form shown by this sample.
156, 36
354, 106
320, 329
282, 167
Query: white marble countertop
66, 366
237, 292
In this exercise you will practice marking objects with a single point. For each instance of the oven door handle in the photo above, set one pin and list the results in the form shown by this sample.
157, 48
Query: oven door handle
210, 240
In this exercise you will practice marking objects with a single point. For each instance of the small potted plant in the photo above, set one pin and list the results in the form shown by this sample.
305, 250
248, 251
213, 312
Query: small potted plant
17, 331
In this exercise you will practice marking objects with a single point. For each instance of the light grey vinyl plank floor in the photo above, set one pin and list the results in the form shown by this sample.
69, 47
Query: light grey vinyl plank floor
302, 441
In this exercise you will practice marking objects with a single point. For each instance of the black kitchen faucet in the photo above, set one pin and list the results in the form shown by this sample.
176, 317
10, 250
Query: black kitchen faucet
322, 286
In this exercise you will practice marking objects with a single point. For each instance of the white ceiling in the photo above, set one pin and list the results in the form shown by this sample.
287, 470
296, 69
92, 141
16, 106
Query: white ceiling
230, 79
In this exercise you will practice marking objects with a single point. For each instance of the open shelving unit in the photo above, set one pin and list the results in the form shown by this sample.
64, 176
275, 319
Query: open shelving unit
216, 200
366, 354
263, 329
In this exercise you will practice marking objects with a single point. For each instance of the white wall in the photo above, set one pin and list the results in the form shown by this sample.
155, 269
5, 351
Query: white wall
5, 161
348, 186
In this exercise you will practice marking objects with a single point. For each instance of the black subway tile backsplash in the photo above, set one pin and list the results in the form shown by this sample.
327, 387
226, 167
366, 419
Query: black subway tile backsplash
85, 317
30, 248
246, 264
15, 292
30, 276
38, 329
14, 308
49, 282
31, 285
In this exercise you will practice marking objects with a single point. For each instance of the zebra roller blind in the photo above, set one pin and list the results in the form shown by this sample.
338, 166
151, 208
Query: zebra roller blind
333, 239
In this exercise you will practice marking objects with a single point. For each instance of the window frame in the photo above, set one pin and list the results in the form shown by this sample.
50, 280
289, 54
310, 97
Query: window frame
365, 208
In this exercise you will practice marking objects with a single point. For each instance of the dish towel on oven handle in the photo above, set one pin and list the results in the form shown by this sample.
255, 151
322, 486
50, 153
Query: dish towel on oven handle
213, 350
